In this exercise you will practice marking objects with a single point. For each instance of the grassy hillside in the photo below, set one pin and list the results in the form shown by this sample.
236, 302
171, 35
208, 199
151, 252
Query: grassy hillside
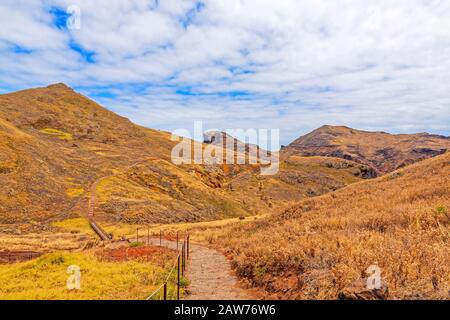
54, 144
322, 247
158, 191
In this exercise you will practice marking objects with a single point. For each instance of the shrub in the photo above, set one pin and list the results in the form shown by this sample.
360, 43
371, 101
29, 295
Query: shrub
136, 244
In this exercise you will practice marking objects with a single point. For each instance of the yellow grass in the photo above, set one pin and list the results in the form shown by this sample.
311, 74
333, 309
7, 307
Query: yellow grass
75, 225
74, 192
57, 133
45, 278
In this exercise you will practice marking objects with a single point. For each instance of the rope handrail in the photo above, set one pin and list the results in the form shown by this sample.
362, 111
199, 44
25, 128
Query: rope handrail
182, 257
167, 279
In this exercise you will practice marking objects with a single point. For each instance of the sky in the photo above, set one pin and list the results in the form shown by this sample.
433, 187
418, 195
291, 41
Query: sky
292, 65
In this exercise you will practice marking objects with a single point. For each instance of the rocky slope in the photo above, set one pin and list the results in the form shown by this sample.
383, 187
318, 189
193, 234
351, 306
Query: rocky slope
383, 152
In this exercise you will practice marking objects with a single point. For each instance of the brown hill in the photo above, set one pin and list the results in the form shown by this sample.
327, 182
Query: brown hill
381, 151
322, 247
55, 143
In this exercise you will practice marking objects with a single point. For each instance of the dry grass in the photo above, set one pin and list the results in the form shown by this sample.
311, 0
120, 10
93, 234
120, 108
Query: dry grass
45, 241
313, 250
200, 232
323, 245
69, 234
157, 191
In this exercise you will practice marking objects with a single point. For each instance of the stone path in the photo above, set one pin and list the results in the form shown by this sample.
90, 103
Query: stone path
210, 275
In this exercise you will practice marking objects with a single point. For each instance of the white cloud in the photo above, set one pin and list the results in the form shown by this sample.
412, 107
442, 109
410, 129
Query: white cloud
289, 64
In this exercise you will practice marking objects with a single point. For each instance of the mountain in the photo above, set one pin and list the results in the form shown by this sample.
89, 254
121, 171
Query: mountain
381, 151
322, 247
58, 146
55, 143
224, 140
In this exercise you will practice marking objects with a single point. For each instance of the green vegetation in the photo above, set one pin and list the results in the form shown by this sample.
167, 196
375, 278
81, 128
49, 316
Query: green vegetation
46, 277
136, 244
441, 210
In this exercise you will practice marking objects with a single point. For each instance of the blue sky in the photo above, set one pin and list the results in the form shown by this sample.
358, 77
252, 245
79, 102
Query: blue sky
292, 65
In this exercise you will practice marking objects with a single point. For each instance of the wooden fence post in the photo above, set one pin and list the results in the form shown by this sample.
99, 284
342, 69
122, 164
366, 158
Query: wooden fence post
187, 253
178, 279
148, 236
182, 260
160, 238
137, 234
177, 240
165, 291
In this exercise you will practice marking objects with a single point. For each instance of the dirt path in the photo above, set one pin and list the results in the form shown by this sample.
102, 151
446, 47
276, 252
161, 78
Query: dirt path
210, 275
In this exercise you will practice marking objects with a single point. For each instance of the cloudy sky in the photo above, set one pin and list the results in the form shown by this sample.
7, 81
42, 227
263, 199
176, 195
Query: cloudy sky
288, 64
